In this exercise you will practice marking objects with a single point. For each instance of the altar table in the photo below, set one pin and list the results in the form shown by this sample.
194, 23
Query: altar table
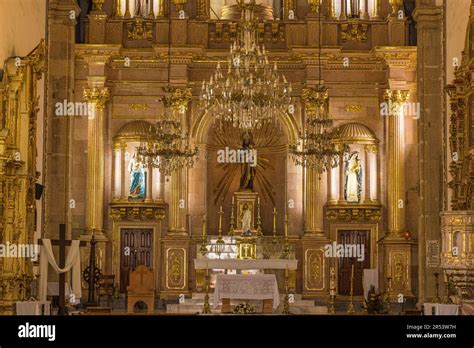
200, 265
33, 308
246, 287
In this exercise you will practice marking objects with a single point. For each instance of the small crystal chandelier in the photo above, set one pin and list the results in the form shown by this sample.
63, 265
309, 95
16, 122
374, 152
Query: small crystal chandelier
252, 92
171, 149
317, 148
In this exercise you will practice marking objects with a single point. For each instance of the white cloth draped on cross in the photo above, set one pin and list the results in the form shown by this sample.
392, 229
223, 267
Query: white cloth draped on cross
73, 260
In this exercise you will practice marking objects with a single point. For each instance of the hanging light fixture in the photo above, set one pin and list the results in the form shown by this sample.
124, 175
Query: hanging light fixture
252, 92
317, 148
171, 149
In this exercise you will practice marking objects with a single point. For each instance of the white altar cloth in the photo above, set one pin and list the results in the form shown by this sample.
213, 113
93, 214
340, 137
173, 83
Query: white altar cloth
246, 287
440, 309
53, 289
246, 264
33, 307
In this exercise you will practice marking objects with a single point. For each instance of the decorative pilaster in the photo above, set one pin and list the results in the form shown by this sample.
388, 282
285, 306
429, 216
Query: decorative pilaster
97, 95
429, 19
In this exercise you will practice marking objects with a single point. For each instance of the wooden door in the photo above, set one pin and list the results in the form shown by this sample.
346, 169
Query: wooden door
345, 263
136, 246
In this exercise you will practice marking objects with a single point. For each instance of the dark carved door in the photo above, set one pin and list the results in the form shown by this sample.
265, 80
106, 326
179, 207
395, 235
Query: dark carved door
357, 238
136, 246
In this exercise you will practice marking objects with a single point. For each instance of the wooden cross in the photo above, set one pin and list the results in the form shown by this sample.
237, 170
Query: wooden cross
62, 243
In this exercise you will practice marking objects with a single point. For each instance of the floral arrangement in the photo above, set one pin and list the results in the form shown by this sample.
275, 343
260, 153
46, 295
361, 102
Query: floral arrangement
244, 308
376, 303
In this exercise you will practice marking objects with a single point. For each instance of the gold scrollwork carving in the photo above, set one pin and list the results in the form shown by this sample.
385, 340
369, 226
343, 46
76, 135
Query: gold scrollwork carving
176, 268
140, 30
124, 212
138, 107
354, 214
354, 32
353, 108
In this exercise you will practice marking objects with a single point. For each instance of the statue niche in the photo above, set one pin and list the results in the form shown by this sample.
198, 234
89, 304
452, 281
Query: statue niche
353, 182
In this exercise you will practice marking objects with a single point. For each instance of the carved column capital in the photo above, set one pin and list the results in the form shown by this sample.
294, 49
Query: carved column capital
98, 96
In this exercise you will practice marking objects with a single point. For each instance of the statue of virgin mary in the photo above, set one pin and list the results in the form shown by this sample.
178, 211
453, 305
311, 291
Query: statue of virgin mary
137, 178
353, 185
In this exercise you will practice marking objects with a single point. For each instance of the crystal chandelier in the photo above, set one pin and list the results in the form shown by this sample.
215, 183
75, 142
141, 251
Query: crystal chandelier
252, 92
319, 147
170, 150
316, 148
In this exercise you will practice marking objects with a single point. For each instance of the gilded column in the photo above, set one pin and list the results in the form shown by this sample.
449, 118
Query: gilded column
365, 14
118, 8
343, 15
331, 14
397, 250
368, 163
376, 13
203, 10
123, 164
342, 198
97, 95
115, 167
162, 8
149, 182
289, 6
313, 209
396, 162
151, 12
329, 185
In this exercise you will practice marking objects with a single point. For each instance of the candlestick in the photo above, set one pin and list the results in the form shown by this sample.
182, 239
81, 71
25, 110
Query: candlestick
350, 309
286, 226
221, 212
232, 219
203, 248
259, 218
274, 225
203, 226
